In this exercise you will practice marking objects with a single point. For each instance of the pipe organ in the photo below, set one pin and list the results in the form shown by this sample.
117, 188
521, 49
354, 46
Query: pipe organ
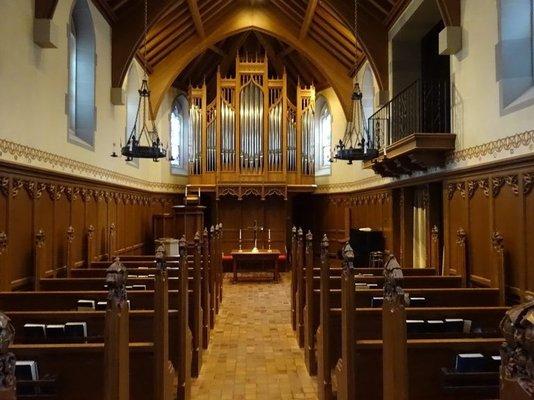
251, 134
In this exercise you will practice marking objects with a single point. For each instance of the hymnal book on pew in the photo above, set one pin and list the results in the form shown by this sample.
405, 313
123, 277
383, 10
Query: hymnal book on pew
138, 287
415, 325
26, 371
495, 363
372, 286
101, 305
435, 325
417, 301
471, 362
86, 305
377, 301
76, 329
35, 331
55, 332
454, 325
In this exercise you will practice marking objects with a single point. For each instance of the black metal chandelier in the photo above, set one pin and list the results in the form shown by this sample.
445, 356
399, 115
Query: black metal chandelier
356, 144
144, 141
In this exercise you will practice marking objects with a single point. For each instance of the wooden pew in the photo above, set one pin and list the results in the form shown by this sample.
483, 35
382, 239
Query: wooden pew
328, 337
102, 370
406, 367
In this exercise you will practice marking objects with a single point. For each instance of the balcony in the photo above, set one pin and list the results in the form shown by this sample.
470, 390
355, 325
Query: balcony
412, 131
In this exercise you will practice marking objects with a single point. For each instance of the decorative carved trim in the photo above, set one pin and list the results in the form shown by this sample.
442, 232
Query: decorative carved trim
112, 229
3, 242
4, 185
116, 277
55, 192
7, 359
528, 182
497, 182
453, 187
17, 185
512, 180
349, 186
474, 185
72, 193
55, 162
461, 237
70, 234
90, 231
497, 241
34, 189
435, 234
509, 143
40, 238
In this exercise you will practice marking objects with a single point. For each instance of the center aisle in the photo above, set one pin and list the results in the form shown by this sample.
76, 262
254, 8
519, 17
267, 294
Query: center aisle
253, 352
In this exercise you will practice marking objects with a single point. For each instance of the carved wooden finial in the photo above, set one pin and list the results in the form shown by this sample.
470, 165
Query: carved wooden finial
517, 354
300, 233
182, 244
497, 241
70, 234
197, 238
294, 230
435, 233
40, 238
116, 277
309, 236
90, 231
212, 230
324, 242
112, 229
205, 232
348, 256
461, 237
3, 242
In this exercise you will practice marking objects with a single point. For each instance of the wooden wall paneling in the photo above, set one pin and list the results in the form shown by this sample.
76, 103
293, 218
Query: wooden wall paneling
21, 210
406, 227
275, 211
44, 220
387, 222
457, 209
528, 232
5, 189
77, 221
61, 223
101, 227
435, 219
509, 219
91, 220
479, 234
111, 228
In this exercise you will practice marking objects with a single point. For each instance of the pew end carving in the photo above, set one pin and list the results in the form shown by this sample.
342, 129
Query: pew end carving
517, 354
7, 360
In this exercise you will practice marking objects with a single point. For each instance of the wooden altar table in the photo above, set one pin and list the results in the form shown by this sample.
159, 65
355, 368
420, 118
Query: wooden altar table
270, 256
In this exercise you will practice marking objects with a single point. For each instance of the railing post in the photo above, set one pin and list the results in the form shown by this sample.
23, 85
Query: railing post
309, 312
89, 250
197, 310
70, 262
185, 339
301, 295
39, 257
324, 380
205, 290
498, 279
212, 274
293, 278
434, 249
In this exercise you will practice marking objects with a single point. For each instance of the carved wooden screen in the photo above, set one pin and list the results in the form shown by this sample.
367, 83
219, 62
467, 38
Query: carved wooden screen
251, 124
308, 135
275, 129
211, 138
228, 131
291, 138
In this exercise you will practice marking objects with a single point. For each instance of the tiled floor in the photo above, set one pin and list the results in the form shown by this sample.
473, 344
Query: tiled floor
253, 353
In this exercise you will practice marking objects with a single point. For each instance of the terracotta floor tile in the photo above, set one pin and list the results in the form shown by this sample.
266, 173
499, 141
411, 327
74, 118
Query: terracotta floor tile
253, 352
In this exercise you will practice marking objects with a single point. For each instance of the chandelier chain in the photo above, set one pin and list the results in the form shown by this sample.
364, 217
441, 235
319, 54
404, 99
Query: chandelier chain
145, 38
355, 34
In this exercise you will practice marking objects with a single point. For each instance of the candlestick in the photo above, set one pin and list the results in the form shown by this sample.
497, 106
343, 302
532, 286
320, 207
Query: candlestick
269, 233
240, 234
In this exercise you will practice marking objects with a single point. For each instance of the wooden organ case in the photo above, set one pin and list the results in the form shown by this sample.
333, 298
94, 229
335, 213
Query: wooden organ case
251, 139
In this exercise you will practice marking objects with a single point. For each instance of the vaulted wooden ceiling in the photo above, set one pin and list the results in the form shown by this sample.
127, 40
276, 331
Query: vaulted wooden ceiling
311, 38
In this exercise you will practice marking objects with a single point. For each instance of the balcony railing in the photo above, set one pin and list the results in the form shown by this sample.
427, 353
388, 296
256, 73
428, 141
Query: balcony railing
423, 107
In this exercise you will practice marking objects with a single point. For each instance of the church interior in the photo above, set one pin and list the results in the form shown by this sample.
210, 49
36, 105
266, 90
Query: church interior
267, 199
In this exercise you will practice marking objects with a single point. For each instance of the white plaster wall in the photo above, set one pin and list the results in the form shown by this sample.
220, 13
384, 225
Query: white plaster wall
32, 99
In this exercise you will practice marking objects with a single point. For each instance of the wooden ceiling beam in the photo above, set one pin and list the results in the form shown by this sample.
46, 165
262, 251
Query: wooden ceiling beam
308, 18
450, 11
379, 7
268, 20
197, 19
128, 33
45, 9
217, 50
231, 54
271, 54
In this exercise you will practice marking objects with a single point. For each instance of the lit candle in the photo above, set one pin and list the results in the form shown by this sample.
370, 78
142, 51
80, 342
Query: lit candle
199, 192
269, 232
240, 234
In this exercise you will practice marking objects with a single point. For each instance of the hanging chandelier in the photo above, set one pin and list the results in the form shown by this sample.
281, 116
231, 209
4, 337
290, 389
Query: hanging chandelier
356, 144
144, 141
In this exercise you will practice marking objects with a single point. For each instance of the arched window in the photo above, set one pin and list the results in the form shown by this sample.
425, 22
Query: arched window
81, 85
516, 54
368, 93
324, 137
179, 127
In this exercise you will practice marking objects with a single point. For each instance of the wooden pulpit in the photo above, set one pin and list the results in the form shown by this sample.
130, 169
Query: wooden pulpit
188, 219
